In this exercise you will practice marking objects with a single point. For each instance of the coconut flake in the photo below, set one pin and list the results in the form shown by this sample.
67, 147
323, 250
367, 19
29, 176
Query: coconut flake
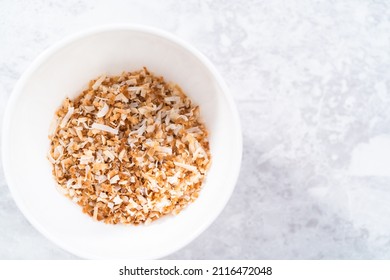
186, 166
86, 159
67, 117
195, 130
79, 133
132, 81
117, 200
114, 179
103, 127
87, 170
153, 183
132, 203
109, 154
100, 178
141, 199
165, 150
103, 111
143, 110
142, 129
89, 109
134, 105
95, 212
121, 154
98, 82
59, 150
103, 195
163, 203
175, 99
148, 221
51, 159
122, 98
135, 89
174, 179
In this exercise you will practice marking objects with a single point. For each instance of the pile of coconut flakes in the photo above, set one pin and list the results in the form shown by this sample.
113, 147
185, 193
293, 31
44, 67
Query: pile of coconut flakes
129, 149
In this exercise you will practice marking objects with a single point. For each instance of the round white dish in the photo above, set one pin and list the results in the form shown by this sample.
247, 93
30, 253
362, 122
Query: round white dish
63, 71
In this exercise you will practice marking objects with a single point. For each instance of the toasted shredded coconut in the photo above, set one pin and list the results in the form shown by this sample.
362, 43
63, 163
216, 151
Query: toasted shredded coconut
166, 150
117, 200
186, 166
67, 117
104, 128
98, 82
109, 155
121, 97
114, 179
130, 149
103, 111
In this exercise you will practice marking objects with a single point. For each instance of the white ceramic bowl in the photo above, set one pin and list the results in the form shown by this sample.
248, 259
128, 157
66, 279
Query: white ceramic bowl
64, 70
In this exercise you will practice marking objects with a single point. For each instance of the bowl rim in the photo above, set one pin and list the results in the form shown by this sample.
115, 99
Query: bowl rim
45, 55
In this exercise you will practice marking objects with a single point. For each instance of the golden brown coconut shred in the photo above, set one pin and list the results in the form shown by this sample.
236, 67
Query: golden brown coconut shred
130, 149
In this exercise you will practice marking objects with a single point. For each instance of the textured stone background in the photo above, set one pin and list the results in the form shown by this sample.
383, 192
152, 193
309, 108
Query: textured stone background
311, 81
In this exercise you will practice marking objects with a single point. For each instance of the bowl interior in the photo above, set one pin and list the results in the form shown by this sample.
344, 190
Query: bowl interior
63, 72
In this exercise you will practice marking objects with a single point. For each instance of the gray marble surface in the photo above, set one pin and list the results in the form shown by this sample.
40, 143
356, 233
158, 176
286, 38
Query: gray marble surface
311, 81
